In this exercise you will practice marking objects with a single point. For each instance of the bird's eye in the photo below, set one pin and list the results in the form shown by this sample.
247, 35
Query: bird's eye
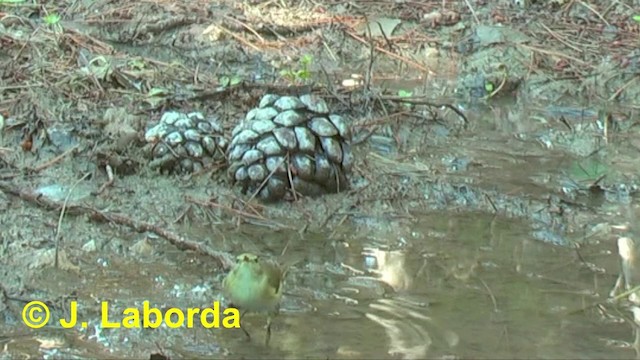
248, 257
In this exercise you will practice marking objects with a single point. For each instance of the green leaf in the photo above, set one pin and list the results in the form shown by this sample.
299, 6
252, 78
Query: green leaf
288, 74
588, 170
51, 19
157, 92
236, 79
489, 87
224, 81
636, 18
306, 60
137, 64
230, 81
404, 93
302, 74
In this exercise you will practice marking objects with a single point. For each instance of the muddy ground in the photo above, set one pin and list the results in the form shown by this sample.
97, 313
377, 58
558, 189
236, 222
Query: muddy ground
484, 131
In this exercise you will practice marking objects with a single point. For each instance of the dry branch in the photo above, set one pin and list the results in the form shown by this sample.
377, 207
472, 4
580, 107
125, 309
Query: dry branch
224, 259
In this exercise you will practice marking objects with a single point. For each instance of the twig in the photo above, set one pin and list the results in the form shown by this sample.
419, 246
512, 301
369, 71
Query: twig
606, 301
473, 13
240, 39
555, 53
290, 176
497, 90
257, 216
62, 211
621, 89
557, 37
335, 229
417, 101
55, 160
252, 206
110, 180
595, 12
493, 298
222, 207
224, 259
397, 57
249, 28
264, 182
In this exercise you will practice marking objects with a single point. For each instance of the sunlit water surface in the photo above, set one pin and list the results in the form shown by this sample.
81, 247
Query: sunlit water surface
444, 286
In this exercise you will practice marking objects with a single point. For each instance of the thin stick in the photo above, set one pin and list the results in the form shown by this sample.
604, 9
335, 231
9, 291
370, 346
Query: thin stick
595, 12
473, 13
264, 182
290, 176
493, 298
224, 259
62, 211
54, 160
110, 180
557, 37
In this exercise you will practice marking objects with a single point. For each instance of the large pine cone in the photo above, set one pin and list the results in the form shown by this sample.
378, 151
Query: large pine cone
290, 144
184, 143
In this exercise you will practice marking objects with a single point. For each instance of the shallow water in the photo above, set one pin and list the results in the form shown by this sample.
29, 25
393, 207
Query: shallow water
443, 286
388, 283
471, 287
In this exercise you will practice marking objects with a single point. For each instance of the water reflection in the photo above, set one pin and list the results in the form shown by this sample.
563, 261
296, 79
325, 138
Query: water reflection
629, 276
477, 287
389, 266
628, 283
403, 320
453, 287
446, 287
405, 339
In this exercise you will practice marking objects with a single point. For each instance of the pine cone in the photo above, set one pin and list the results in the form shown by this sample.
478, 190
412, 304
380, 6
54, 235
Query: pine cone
184, 143
290, 144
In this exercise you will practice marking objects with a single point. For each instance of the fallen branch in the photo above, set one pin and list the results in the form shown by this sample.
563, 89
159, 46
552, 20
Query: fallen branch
224, 259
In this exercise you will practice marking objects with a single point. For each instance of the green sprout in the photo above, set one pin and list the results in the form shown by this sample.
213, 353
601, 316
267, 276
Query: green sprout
137, 64
636, 18
489, 87
588, 169
306, 60
53, 20
405, 94
302, 73
157, 96
226, 81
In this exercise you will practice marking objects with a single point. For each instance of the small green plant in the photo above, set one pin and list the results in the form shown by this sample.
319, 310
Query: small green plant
53, 20
226, 81
157, 96
636, 18
405, 94
489, 87
99, 67
302, 73
137, 64
588, 170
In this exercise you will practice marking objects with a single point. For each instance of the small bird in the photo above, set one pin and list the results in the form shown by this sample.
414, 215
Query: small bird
254, 285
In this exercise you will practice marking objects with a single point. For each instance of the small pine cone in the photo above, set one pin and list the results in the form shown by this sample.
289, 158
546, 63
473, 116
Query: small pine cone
184, 143
288, 144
